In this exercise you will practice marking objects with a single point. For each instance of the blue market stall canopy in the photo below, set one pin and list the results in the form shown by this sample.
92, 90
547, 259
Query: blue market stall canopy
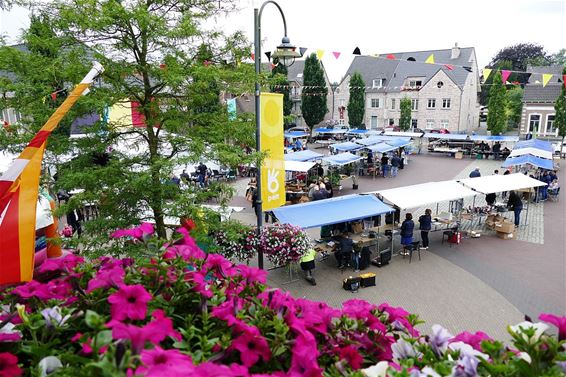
431, 135
331, 211
529, 159
398, 142
341, 159
295, 134
369, 141
358, 132
347, 146
381, 148
535, 143
494, 138
403, 134
306, 155
330, 131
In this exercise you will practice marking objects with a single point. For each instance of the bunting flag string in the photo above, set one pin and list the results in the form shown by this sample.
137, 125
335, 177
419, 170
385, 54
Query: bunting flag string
336, 54
546, 78
486, 73
319, 54
505, 75
430, 59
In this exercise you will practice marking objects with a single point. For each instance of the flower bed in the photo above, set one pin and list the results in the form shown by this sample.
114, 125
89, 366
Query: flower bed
187, 313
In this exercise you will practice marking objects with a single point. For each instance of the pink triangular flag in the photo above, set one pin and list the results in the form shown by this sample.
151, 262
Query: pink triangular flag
336, 54
253, 56
449, 67
505, 75
564, 80
391, 57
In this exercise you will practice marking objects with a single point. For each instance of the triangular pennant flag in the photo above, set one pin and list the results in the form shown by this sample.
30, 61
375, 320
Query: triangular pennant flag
486, 73
391, 57
546, 78
253, 56
469, 69
319, 54
336, 54
564, 80
54, 96
357, 51
268, 54
449, 67
505, 75
302, 50
430, 59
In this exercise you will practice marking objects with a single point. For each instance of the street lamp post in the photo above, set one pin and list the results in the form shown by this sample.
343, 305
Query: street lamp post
286, 54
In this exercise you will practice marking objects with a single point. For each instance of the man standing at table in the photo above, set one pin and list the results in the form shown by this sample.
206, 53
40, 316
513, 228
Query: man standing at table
516, 205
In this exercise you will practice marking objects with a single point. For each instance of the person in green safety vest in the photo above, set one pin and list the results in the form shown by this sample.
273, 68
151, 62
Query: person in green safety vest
307, 265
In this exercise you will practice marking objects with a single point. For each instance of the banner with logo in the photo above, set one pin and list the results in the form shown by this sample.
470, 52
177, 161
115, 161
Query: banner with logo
273, 168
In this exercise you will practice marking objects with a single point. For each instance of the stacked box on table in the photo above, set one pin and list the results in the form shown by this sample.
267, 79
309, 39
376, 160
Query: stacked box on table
504, 227
507, 236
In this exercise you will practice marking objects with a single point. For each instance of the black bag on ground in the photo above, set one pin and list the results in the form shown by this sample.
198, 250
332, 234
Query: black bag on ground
351, 284
365, 258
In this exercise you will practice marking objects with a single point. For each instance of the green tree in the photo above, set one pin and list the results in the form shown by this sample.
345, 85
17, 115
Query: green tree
486, 86
520, 54
405, 118
497, 108
356, 103
560, 114
148, 50
559, 58
514, 105
281, 85
313, 97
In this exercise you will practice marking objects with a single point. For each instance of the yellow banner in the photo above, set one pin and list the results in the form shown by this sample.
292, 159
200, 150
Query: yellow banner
273, 168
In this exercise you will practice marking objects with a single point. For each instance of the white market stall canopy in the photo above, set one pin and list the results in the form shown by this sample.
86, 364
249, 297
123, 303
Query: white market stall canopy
398, 142
341, 159
532, 151
306, 155
357, 132
535, 143
295, 134
330, 131
431, 135
403, 134
331, 211
347, 146
299, 166
498, 183
426, 193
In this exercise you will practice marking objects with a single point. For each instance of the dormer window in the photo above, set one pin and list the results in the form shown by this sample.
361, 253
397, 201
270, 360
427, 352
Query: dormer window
415, 83
378, 83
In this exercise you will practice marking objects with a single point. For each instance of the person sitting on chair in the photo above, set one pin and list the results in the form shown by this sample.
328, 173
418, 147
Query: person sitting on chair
344, 252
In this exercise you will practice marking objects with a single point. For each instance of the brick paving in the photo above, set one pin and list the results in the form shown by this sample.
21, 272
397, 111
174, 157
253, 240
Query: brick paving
481, 284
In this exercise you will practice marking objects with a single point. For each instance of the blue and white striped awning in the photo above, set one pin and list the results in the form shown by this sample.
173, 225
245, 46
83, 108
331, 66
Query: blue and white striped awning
347, 146
341, 159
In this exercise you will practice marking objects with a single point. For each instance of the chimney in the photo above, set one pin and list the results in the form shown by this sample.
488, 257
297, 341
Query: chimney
455, 52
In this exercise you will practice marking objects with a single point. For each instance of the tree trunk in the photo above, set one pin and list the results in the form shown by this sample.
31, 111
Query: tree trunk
156, 198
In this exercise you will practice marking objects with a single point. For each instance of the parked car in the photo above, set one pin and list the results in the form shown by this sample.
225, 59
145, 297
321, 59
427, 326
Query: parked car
439, 131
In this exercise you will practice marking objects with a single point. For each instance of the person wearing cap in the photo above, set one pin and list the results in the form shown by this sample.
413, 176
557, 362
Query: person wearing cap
476, 173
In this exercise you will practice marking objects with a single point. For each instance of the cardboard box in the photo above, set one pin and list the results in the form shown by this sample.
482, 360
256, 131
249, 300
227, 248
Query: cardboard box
506, 236
505, 227
459, 155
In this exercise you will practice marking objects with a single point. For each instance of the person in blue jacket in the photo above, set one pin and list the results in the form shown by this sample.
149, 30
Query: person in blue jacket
425, 225
407, 228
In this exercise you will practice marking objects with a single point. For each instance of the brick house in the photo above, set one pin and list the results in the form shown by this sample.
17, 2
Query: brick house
538, 102
442, 96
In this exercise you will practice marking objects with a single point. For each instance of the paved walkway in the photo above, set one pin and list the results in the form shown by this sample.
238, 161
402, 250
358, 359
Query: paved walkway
482, 284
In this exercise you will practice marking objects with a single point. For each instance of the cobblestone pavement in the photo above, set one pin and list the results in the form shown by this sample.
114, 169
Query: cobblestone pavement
481, 284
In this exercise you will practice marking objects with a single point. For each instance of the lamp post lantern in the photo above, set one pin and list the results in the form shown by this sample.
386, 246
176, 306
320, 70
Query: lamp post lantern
286, 54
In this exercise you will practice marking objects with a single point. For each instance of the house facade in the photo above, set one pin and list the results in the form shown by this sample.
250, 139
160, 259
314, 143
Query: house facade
538, 112
443, 95
295, 78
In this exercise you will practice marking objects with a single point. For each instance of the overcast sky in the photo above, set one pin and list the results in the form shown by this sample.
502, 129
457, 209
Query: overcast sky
389, 26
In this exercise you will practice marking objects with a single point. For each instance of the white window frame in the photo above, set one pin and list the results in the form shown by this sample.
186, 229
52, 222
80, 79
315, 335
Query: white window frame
413, 83
445, 102
430, 124
377, 83
373, 125
529, 128
429, 102
375, 101
391, 122
10, 115
444, 123
393, 100
546, 132
414, 104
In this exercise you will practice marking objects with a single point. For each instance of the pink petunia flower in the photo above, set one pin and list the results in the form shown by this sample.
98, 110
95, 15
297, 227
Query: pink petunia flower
252, 346
134, 334
165, 363
352, 356
304, 357
107, 278
251, 274
559, 322
217, 263
130, 301
65, 264
9, 365
140, 232
199, 282
8, 333
473, 340
160, 328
